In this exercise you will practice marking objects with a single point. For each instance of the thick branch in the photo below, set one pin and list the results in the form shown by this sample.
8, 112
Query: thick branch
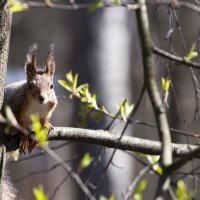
74, 6
5, 27
111, 140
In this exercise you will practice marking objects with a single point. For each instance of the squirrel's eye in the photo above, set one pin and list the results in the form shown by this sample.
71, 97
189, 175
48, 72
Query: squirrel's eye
30, 86
51, 86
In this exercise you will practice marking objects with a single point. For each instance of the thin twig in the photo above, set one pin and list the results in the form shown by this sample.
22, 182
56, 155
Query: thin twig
175, 58
135, 182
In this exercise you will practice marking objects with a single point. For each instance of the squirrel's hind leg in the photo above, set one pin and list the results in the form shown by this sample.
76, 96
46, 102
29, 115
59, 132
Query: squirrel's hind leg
24, 143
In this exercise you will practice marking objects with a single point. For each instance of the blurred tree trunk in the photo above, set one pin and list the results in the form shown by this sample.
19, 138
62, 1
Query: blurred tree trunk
5, 27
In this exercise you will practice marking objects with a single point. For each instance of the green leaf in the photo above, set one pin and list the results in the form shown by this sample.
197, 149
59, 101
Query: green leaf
69, 76
96, 5
192, 54
125, 109
166, 84
103, 109
140, 189
15, 155
112, 197
101, 197
10, 116
66, 85
86, 160
182, 193
17, 6
116, 2
153, 161
75, 81
40, 132
39, 193
81, 87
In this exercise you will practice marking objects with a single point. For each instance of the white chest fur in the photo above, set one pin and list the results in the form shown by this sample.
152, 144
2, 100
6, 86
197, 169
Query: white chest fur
35, 108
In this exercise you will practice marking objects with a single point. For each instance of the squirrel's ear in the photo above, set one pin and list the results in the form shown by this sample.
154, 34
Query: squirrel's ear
50, 61
31, 62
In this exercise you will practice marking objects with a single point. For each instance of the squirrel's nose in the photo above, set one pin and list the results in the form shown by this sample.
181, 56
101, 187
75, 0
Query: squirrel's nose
41, 99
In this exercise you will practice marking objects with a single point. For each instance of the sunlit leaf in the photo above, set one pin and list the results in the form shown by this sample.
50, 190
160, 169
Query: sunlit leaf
192, 53
75, 81
103, 109
17, 6
125, 109
10, 116
166, 84
86, 160
140, 189
39, 193
69, 76
66, 85
15, 155
40, 132
101, 197
112, 197
153, 161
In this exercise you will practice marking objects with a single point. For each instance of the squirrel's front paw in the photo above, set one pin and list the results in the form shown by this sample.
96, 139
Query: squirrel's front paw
48, 125
24, 144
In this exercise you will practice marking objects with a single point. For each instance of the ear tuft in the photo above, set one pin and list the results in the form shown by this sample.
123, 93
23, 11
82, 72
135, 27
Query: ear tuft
50, 61
31, 62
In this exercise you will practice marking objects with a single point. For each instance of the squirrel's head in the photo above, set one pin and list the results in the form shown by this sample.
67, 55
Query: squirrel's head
40, 82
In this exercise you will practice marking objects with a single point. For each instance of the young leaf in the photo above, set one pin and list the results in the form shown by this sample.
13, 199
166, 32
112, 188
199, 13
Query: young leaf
182, 193
141, 187
75, 81
96, 5
125, 109
192, 53
39, 193
112, 197
102, 197
15, 155
116, 2
40, 132
86, 160
69, 76
17, 6
10, 116
153, 161
166, 84
66, 85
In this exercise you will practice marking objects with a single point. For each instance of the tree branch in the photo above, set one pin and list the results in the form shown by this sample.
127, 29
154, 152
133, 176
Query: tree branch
5, 27
111, 140
175, 58
152, 88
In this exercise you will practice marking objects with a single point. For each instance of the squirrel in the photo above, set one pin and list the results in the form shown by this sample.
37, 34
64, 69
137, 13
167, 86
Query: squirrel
35, 95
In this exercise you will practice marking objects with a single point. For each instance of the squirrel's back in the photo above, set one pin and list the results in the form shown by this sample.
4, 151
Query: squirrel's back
12, 90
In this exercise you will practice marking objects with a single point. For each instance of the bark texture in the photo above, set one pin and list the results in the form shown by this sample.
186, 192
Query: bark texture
5, 28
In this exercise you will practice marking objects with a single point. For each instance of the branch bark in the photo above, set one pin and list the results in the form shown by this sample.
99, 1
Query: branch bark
150, 83
111, 140
5, 28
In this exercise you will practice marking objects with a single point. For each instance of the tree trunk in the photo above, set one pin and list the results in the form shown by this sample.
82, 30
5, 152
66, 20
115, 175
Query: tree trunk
5, 28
